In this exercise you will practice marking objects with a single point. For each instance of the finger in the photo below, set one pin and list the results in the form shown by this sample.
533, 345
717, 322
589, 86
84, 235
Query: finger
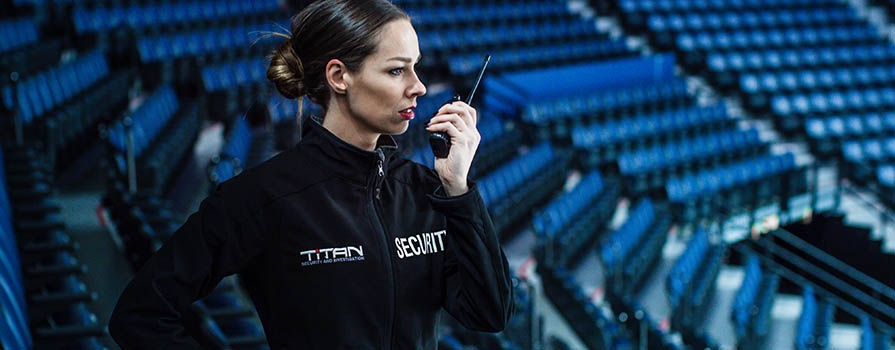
448, 128
472, 111
452, 118
467, 113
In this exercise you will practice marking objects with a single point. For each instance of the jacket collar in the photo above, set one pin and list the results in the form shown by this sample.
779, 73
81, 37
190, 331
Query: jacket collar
343, 158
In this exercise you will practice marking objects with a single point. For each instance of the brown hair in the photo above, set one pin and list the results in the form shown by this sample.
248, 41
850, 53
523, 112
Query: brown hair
327, 29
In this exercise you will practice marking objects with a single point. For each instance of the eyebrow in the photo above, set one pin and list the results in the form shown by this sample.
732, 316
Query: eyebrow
405, 59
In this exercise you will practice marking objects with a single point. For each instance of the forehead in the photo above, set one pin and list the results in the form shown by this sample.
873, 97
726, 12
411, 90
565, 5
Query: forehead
397, 39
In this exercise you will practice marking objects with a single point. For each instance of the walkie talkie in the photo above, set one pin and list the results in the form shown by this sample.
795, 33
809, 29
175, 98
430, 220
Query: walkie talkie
441, 141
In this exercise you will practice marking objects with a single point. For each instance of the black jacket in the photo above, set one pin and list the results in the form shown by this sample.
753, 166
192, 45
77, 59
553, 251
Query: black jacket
339, 248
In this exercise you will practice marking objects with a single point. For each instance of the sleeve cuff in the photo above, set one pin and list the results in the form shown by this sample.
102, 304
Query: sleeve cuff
467, 203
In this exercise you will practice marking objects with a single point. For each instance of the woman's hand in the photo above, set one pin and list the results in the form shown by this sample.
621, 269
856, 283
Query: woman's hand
458, 120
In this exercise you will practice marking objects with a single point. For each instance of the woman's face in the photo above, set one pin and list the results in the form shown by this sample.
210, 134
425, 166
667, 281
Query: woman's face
387, 84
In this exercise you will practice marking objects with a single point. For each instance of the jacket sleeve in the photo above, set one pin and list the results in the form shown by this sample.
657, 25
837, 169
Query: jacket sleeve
216, 241
478, 285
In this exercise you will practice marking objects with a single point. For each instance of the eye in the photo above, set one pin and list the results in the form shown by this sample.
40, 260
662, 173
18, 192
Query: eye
396, 71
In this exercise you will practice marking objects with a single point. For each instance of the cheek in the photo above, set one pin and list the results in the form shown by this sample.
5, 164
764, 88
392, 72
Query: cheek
381, 97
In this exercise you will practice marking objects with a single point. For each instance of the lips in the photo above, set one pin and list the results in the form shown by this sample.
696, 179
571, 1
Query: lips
407, 114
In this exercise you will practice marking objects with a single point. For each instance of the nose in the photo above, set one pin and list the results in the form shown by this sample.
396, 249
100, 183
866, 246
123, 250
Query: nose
418, 88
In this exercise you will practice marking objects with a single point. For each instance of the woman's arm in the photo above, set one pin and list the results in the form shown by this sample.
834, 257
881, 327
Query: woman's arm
479, 291
216, 241
478, 285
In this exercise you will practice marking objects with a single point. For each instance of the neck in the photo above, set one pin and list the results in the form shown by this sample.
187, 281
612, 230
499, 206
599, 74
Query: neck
347, 128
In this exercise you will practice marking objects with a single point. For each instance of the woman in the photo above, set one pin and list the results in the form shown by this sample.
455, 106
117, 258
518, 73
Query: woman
341, 243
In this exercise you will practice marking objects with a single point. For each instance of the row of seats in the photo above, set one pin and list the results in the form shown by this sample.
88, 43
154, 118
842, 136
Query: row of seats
228, 320
539, 56
282, 110
840, 101
634, 317
569, 224
61, 106
869, 150
595, 329
651, 6
798, 58
752, 304
559, 213
851, 126
702, 188
35, 96
207, 42
148, 120
511, 191
778, 38
822, 79
735, 19
728, 144
166, 14
498, 184
235, 73
235, 154
621, 242
871, 340
42, 299
164, 131
15, 33
504, 36
461, 16
691, 282
813, 329
659, 96
630, 253
652, 128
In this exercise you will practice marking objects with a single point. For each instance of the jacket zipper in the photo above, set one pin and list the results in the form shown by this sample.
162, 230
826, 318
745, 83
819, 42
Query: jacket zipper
376, 188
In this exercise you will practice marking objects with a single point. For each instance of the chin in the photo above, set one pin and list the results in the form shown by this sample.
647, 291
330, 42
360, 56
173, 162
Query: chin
399, 129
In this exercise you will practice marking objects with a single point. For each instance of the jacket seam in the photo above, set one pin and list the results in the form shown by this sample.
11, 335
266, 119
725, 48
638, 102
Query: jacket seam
253, 215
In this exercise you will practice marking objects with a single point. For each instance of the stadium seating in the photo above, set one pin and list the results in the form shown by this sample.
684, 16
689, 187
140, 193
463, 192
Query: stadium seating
511, 191
244, 148
576, 118
630, 253
644, 330
41, 295
588, 321
691, 282
571, 222
538, 56
430, 17
813, 330
699, 195
61, 106
17, 33
23, 50
163, 133
752, 305
167, 15
870, 339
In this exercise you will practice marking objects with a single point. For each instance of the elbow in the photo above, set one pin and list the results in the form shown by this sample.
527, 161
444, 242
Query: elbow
117, 327
501, 315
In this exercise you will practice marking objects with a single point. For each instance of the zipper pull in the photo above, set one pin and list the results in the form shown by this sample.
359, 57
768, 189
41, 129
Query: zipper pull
381, 172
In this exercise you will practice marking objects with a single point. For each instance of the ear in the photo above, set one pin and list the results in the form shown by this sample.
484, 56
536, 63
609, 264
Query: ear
337, 76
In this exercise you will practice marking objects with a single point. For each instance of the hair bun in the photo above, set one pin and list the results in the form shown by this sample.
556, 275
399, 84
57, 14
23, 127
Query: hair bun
286, 71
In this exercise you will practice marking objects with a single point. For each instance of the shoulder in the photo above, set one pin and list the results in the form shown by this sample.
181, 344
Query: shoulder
413, 173
257, 187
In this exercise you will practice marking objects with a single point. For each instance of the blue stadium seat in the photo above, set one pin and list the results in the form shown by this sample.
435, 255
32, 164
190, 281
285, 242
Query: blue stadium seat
166, 14
16, 33
692, 280
574, 219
